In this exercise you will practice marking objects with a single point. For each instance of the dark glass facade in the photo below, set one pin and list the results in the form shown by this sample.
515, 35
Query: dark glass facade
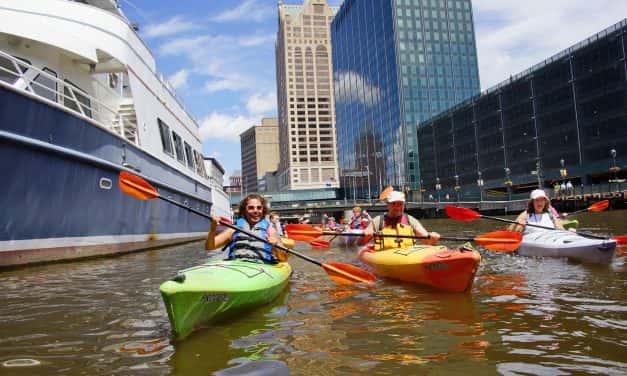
396, 63
570, 110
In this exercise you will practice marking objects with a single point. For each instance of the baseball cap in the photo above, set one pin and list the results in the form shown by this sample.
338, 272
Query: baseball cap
537, 193
395, 196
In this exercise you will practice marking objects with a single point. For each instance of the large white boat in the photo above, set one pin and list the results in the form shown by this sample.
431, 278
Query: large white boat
81, 100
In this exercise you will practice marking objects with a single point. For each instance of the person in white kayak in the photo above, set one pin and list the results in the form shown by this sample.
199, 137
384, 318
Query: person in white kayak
538, 212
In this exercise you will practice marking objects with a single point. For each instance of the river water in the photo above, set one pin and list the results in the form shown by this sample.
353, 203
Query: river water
523, 316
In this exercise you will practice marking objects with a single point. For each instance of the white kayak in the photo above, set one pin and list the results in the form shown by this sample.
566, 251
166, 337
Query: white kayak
556, 243
352, 240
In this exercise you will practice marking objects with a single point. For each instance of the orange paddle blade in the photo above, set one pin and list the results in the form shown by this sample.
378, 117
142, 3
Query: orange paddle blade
302, 232
386, 192
136, 187
501, 241
599, 206
320, 243
345, 274
461, 214
620, 239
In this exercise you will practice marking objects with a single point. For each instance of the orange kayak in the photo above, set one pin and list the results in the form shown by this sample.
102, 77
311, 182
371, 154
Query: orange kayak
435, 266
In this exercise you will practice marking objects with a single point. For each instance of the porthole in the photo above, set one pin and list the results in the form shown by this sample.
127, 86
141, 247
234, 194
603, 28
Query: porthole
105, 183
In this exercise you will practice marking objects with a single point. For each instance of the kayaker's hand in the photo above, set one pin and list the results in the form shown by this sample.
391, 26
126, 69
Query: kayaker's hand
433, 238
369, 231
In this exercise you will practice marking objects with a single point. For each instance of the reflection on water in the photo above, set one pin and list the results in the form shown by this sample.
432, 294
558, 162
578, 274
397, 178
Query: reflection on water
523, 316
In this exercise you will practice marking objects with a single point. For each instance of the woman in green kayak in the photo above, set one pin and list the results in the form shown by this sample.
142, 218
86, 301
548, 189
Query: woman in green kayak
253, 210
538, 213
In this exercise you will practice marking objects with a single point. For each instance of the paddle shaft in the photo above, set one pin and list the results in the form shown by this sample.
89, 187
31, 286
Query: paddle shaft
252, 235
584, 234
405, 236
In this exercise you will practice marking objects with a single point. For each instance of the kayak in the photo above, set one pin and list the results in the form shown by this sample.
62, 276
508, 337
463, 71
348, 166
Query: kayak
570, 223
556, 243
220, 289
435, 266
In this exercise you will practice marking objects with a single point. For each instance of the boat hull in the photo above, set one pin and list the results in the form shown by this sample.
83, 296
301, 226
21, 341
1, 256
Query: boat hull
218, 290
567, 244
60, 197
435, 266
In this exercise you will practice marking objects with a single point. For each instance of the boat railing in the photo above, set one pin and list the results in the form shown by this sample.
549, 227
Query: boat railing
46, 86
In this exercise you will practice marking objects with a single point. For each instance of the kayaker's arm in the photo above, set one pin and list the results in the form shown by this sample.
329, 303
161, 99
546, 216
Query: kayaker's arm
558, 223
419, 230
520, 226
215, 241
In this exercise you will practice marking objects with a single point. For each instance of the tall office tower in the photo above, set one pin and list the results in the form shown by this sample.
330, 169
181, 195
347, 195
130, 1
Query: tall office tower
308, 158
260, 152
396, 63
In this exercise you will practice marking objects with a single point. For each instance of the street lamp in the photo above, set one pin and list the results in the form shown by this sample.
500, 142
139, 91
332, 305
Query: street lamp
457, 187
508, 183
438, 187
615, 169
480, 185
563, 172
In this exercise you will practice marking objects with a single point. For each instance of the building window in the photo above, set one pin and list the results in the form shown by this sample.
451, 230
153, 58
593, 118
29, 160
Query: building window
73, 97
189, 156
45, 85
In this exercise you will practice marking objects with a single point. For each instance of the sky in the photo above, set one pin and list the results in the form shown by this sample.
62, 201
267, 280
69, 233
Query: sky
219, 54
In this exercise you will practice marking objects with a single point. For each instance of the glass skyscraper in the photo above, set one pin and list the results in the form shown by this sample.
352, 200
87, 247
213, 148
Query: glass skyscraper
396, 63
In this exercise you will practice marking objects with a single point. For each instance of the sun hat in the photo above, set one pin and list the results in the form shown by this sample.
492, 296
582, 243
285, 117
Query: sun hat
537, 193
395, 196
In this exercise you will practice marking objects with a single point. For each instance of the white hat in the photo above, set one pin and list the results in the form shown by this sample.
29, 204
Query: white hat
395, 196
537, 193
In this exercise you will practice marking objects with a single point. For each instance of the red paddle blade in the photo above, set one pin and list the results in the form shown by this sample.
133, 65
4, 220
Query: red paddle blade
461, 214
500, 241
302, 232
345, 274
599, 206
621, 239
386, 192
136, 187
320, 243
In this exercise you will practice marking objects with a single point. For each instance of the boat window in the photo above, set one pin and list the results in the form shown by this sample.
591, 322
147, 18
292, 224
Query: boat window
178, 146
166, 141
8, 70
200, 165
74, 96
45, 85
189, 156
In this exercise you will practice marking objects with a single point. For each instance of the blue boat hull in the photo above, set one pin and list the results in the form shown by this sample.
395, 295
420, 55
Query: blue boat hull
59, 193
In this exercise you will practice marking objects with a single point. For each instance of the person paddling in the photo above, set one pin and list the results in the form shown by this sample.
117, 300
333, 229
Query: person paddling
396, 222
253, 209
538, 212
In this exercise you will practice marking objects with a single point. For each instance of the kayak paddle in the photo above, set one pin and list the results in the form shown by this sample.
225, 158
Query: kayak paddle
596, 207
465, 214
139, 188
500, 241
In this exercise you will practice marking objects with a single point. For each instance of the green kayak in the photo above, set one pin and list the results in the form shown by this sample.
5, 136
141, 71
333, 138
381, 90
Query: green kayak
570, 223
220, 289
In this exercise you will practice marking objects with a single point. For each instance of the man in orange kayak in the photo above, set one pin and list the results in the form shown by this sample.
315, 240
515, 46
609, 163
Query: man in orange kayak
397, 222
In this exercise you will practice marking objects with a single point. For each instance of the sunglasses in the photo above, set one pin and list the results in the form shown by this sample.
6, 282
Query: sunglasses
253, 207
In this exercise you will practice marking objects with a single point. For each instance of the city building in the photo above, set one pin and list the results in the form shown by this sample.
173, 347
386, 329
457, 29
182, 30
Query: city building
396, 63
260, 152
564, 119
235, 183
308, 157
215, 172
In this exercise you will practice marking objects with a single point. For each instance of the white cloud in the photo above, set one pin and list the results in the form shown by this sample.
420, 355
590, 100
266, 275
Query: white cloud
513, 35
256, 40
249, 10
259, 103
179, 79
352, 87
232, 63
174, 25
225, 127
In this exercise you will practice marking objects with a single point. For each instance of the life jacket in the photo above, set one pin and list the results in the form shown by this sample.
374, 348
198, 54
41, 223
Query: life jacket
243, 246
389, 226
356, 222
546, 219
